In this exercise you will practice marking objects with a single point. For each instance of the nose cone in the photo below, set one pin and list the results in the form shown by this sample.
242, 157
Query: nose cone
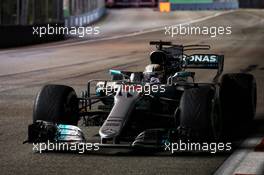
110, 129
116, 120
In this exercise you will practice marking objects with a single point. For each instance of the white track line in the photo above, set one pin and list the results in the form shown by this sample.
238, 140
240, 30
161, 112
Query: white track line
150, 30
244, 161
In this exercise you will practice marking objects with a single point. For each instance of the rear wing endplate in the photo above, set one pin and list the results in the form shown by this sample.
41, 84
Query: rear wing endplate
204, 61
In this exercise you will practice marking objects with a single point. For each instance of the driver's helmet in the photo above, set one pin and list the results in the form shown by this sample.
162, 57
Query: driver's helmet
153, 73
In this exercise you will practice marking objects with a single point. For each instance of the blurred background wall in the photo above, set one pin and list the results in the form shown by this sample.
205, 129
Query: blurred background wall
251, 3
18, 17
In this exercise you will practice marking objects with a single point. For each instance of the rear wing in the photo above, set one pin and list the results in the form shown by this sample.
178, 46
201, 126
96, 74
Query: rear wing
204, 61
170, 54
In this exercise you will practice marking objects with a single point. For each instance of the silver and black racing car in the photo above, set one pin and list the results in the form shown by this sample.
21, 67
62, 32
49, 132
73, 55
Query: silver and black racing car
146, 109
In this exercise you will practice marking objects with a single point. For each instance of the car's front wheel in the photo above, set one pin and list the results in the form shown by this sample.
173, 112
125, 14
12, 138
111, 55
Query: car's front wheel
57, 104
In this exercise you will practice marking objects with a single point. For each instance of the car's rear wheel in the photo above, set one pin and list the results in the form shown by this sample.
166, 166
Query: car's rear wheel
57, 104
238, 95
196, 112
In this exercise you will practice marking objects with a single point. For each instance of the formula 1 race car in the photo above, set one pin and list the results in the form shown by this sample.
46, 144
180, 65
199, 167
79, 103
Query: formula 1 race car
147, 109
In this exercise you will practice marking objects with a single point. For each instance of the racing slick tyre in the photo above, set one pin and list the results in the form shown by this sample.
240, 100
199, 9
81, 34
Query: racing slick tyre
238, 96
57, 104
196, 114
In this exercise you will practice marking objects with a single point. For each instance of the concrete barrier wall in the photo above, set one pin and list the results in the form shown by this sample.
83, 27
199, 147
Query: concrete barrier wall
85, 19
19, 35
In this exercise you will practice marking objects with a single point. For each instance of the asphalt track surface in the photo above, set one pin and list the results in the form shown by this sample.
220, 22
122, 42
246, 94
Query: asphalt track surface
24, 70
